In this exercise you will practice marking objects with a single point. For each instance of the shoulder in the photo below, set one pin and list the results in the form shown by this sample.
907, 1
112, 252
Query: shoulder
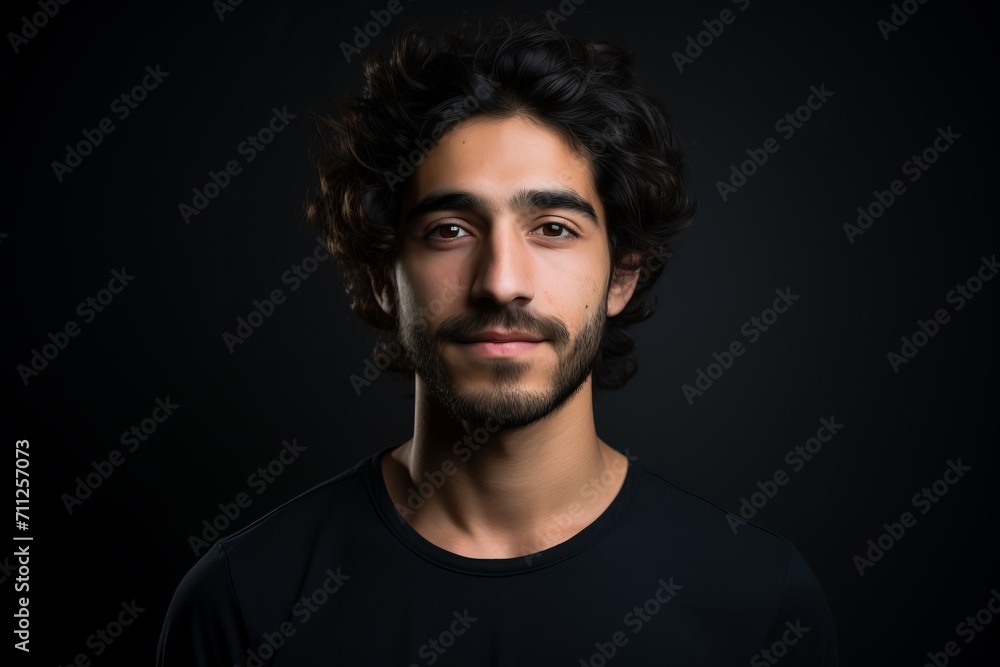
761, 573
667, 506
211, 613
204, 623
298, 520
711, 533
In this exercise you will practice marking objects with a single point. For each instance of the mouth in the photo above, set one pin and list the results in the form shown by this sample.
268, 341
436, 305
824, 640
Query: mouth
495, 344
497, 336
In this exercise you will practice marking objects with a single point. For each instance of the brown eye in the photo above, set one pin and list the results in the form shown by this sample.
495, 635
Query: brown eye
555, 230
447, 232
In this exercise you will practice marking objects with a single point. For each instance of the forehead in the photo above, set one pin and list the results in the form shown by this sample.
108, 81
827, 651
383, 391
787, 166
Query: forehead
495, 158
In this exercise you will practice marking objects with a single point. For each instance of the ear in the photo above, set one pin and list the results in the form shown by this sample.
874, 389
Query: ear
384, 297
623, 284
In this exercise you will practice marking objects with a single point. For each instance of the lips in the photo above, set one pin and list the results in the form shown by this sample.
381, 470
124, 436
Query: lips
495, 336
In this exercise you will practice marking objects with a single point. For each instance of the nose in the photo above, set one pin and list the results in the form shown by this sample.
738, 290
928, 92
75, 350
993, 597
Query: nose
503, 271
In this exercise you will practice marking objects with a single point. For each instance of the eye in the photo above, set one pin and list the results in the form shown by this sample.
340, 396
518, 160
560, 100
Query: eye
554, 230
447, 232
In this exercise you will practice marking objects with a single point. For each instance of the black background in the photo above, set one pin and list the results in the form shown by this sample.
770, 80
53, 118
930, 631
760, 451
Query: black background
162, 335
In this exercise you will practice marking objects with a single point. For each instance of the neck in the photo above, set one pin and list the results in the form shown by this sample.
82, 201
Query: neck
503, 492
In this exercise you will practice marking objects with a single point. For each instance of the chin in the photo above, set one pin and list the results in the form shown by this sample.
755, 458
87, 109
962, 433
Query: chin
515, 404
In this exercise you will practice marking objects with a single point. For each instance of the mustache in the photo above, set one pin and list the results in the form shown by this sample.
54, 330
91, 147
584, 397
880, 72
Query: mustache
517, 318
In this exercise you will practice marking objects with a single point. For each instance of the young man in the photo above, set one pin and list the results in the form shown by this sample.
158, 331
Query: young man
501, 206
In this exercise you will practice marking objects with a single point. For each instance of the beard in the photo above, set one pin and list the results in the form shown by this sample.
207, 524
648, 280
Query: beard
506, 401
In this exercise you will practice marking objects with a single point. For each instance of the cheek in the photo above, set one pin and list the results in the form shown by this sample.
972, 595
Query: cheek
576, 308
574, 289
427, 294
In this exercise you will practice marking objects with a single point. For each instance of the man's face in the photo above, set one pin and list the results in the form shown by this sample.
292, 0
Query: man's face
502, 278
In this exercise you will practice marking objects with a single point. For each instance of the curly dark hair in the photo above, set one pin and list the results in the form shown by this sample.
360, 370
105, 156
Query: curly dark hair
588, 91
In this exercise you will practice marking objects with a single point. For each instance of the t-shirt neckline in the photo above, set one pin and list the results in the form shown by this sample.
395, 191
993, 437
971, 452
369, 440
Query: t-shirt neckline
590, 535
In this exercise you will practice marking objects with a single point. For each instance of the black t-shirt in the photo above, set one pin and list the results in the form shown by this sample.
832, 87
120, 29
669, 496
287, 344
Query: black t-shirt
337, 577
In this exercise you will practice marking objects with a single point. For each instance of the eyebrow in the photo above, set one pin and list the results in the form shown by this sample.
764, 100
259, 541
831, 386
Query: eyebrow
526, 199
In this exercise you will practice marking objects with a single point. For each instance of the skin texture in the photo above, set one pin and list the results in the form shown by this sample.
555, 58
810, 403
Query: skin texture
500, 263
